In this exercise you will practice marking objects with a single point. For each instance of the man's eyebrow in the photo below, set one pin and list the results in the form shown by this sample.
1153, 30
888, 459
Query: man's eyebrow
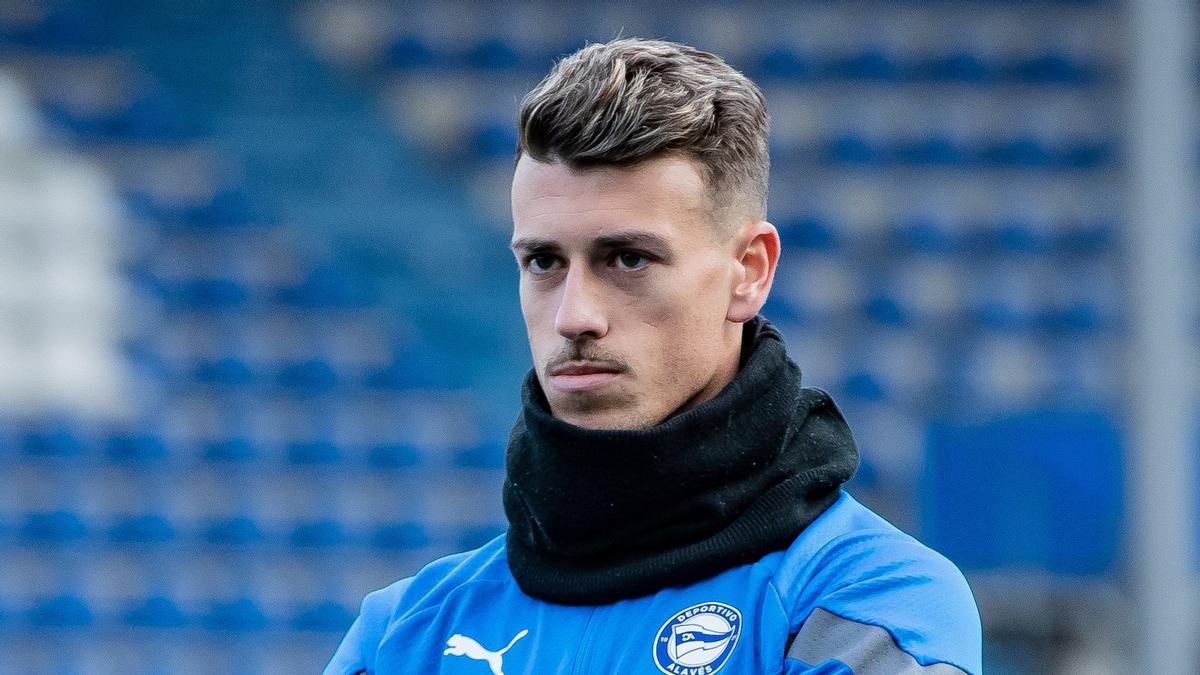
533, 244
612, 240
634, 238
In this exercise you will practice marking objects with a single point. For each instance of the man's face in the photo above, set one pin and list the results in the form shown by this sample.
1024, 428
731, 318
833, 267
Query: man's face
625, 289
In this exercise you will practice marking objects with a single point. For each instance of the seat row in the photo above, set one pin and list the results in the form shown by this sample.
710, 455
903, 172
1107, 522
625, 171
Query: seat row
61, 441
892, 307
1004, 235
241, 614
323, 288
1050, 66
68, 528
491, 139
1024, 152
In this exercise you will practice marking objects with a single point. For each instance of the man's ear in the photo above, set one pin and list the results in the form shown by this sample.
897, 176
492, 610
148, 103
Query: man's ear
758, 257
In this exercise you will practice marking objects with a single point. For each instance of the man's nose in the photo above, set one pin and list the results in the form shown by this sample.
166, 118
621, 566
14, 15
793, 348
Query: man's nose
580, 308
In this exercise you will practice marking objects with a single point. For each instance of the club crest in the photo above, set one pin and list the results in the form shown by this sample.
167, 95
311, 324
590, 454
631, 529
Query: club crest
698, 640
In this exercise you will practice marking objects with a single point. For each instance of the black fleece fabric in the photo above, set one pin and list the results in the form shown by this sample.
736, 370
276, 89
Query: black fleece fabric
597, 516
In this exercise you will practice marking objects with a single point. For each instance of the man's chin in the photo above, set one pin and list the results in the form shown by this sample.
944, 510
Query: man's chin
599, 416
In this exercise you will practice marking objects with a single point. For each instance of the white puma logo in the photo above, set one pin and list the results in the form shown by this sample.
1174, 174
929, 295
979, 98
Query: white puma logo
461, 645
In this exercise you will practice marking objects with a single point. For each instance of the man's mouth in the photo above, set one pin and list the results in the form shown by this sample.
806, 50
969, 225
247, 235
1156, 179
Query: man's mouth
582, 375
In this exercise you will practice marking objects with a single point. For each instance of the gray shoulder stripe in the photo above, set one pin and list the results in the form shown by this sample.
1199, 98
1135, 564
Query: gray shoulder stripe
867, 649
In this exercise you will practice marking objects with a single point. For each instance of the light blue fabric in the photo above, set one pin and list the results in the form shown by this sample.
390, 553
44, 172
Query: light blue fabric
465, 615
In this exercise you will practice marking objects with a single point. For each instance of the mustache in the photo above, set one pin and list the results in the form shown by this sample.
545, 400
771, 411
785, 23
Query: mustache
586, 352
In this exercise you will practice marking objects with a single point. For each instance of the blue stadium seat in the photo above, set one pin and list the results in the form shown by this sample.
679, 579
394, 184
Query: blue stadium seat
153, 118
393, 456
318, 534
228, 208
146, 119
70, 29
869, 64
54, 527
328, 287
142, 279
131, 446
410, 51
410, 369
477, 535
486, 455
321, 452
853, 148
783, 310
494, 139
783, 63
205, 294
233, 531
862, 385
1022, 151
328, 616
237, 615
1014, 235
1046, 487
15, 28
154, 612
886, 310
144, 359
958, 66
925, 235
227, 371
810, 232
1000, 315
1088, 154
1055, 68
314, 376
60, 611
401, 536
1076, 317
229, 450
142, 529
57, 438
84, 124
933, 151
1085, 239
494, 54
146, 206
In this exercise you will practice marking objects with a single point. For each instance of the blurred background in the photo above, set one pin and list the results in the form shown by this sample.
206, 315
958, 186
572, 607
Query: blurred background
260, 345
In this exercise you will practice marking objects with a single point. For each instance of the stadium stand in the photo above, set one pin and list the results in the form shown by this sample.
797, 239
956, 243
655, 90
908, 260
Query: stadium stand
259, 339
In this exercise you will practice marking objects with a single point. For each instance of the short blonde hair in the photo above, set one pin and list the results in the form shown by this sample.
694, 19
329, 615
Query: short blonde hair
630, 100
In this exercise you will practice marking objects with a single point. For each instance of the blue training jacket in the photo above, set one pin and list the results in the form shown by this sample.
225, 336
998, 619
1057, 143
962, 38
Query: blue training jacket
853, 594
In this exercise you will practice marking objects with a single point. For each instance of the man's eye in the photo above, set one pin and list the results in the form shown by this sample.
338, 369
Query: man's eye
631, 260
540, 263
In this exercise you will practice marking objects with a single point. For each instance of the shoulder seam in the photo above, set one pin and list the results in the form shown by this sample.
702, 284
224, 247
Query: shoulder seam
891, 633
822, 551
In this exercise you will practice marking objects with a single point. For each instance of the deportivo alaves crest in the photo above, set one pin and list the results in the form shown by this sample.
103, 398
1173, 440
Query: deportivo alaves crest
698, 640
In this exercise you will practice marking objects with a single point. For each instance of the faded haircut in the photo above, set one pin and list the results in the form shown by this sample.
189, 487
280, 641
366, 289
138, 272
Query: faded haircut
631, 100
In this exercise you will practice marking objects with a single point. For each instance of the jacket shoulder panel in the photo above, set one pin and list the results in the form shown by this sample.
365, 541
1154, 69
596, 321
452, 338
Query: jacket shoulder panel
854, 565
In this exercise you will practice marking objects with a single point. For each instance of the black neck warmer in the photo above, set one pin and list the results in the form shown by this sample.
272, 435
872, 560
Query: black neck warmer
596, 516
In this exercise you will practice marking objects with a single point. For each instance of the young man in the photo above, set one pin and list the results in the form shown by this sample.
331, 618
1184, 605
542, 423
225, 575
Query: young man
673, 493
